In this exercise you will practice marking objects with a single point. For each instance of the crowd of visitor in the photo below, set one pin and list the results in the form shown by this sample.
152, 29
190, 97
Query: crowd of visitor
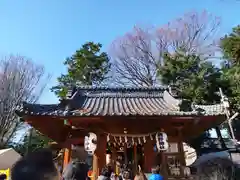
39, 165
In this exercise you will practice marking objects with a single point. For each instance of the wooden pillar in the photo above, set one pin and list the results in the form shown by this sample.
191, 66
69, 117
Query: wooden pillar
181, 151
99, 157
125, 154
135, 158
66, 157
114, 159
149, 155
95, 167
163, 167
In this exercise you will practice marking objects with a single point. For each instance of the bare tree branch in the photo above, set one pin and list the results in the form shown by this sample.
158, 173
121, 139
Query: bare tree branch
20, 80
137, 55
134, 59
195, 33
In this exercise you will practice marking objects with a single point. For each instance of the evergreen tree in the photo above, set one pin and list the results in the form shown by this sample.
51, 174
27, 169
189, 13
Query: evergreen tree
230, 45
88, 66
196, 80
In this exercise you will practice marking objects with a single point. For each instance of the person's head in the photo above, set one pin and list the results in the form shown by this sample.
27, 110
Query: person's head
76, 170
126, 174
140, 174
107, 171
155, 169
3, 176
38, 165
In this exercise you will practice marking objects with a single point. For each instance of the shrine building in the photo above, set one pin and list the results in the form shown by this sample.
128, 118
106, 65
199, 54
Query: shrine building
127, 123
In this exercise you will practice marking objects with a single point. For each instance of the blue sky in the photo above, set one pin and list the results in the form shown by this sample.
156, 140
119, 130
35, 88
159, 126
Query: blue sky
50, 30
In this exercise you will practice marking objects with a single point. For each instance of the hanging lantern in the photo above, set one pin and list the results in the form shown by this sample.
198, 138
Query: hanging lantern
162, 141
90, 143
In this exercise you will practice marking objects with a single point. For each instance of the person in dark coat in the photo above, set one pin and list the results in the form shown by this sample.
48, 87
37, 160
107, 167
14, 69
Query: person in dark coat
76, 170
37, 165
106, 173
3, 176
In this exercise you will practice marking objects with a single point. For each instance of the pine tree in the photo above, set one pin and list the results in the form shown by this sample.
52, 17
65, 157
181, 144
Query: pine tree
230, 45
88, 66
196, 80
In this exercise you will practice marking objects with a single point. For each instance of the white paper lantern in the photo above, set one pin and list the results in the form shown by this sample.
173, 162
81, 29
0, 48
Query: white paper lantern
90, 143
162, 141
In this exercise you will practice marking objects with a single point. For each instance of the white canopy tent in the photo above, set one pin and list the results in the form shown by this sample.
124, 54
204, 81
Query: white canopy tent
8, 157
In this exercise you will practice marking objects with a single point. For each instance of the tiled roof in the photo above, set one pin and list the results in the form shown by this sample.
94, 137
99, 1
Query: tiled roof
101, 101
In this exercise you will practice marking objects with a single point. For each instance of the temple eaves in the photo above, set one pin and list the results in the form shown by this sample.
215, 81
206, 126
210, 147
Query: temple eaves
121, 101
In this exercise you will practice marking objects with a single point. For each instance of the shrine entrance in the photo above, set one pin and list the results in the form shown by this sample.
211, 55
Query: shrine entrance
132, 120
135, 156
130, 156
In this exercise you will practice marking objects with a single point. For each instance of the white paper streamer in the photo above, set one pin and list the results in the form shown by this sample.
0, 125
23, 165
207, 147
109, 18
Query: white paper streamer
136, 138
151, 137
157, 142
125, 139
139, 140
